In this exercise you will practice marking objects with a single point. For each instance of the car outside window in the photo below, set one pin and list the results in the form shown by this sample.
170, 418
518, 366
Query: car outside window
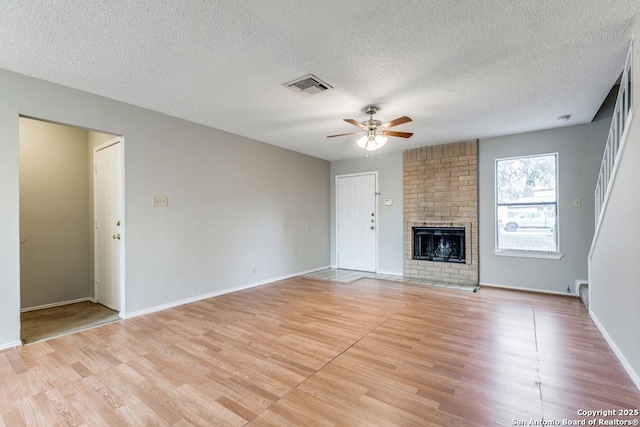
526, 204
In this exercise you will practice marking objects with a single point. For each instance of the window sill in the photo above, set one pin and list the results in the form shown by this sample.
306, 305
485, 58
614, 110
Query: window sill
526, 254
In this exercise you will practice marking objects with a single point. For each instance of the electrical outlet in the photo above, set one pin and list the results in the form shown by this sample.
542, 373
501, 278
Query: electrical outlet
253, 270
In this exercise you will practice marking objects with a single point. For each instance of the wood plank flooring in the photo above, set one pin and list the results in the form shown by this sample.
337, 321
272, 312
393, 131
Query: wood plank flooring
305, 352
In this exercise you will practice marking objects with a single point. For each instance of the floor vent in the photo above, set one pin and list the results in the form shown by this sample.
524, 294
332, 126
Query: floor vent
308, 85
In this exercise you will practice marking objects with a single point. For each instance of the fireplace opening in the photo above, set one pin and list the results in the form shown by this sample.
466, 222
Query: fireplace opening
445, 244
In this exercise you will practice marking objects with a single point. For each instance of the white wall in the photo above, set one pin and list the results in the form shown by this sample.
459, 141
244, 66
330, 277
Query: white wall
234, 203
54, 213
389, 167
613, 280
579, 151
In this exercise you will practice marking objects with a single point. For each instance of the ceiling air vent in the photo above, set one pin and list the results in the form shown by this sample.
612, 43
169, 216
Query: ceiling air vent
308, 85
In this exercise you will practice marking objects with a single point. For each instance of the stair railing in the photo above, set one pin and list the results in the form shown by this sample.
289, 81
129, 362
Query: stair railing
622, 114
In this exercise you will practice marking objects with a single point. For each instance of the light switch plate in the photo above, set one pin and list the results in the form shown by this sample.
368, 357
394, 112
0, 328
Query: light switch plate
577, 203
388, 202
160, 201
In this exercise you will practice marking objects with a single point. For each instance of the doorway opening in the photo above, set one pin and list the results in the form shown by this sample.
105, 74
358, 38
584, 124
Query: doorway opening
58, 260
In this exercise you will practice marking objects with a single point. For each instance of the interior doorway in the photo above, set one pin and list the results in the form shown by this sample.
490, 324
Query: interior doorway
57, 217
357, 225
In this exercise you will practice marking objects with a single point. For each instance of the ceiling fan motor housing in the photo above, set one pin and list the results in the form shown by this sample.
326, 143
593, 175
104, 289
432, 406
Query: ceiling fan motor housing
372, 124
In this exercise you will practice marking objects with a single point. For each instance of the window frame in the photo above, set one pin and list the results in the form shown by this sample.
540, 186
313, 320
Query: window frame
530, 253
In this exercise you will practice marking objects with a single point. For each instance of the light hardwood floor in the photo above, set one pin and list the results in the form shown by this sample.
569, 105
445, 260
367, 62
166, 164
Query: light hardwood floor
304, 352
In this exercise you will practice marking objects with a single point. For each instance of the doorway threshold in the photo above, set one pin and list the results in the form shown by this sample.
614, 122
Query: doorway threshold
53, 322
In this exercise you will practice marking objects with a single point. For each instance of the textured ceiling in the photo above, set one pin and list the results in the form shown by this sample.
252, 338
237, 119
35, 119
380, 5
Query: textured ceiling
460, 69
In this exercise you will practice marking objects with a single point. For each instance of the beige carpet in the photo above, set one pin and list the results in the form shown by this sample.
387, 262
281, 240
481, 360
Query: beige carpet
51, 322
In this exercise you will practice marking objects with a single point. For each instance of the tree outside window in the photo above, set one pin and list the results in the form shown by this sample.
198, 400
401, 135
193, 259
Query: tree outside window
526, 204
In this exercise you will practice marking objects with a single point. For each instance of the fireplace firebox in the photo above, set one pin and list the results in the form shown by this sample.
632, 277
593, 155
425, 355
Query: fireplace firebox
444, 244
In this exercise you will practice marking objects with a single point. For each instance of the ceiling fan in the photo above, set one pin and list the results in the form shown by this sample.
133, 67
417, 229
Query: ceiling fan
374, 132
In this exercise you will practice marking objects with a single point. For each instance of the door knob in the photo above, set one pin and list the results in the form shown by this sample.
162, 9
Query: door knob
116, 236
372, 227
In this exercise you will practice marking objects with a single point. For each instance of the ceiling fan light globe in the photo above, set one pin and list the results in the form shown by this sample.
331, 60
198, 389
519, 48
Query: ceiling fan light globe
372, 144
380, 140
362, 141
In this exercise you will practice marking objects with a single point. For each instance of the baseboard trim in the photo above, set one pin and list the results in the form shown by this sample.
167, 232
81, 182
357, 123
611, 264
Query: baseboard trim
623, 360
57, 304
7, 346
390, 273
536, 291
178, 303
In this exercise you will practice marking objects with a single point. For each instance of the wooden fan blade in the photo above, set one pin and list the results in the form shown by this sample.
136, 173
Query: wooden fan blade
344, 134
396, 122
357, 124
394, 133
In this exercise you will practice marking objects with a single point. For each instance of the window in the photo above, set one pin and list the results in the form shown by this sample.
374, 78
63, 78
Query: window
526, 204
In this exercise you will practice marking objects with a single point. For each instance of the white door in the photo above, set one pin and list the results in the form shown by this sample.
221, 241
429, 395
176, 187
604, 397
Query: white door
357, 222
108, 224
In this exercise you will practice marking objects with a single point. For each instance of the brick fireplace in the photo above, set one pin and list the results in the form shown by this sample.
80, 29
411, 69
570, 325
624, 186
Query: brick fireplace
441, 192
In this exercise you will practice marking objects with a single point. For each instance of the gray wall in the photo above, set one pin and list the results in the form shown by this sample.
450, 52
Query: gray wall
579, 151
234, 203
389, 168
613, 277
54, 213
